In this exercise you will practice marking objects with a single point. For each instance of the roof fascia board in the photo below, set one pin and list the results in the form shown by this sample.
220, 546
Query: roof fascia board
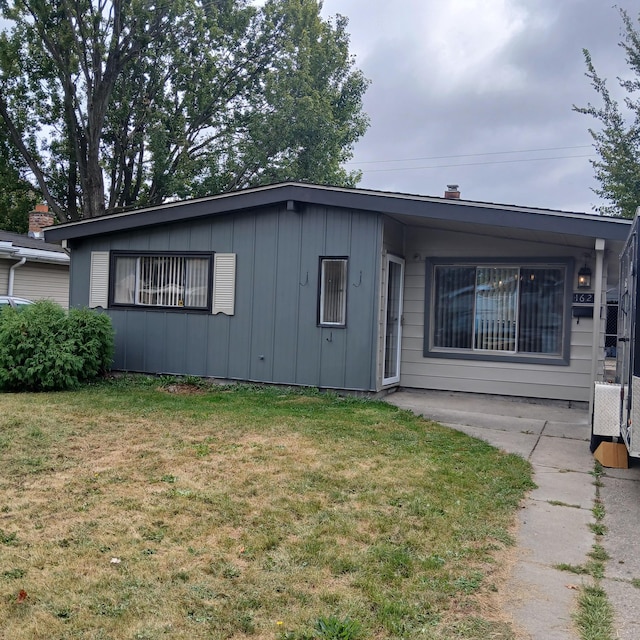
422, 207
168, 214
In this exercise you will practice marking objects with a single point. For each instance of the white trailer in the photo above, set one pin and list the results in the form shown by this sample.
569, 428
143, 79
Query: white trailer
616, 407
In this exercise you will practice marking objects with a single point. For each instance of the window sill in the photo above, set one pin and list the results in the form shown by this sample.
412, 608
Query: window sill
494, 356
142, 307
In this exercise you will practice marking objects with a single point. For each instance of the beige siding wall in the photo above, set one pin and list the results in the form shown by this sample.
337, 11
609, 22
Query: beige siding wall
506, 378
37, 281
4, 276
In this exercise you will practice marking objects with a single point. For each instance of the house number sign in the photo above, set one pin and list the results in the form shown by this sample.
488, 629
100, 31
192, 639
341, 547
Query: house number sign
583, 298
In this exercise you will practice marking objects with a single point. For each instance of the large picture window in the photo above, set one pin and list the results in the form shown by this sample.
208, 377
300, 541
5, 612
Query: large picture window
333, 292
169, 280
497, 309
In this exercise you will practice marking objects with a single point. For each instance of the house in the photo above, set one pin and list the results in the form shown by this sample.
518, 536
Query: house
32, 268
354, 289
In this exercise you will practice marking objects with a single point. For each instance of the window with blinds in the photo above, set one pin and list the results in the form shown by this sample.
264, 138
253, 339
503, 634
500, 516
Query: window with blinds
333, 292
501, 309
176, 281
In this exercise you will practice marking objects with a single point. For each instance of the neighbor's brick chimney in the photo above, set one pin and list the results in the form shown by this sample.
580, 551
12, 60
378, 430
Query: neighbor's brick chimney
39, 218
452, 192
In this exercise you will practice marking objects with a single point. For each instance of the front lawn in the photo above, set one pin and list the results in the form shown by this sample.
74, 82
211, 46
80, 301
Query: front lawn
143, 509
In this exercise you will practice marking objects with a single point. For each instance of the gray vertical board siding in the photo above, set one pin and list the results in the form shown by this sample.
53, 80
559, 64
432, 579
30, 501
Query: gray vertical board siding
333, 349
360, 361
287, 294
276, 311
79, 269
309, 341
179, 237
176, 354
219, 238
135, 328
265, 256
217, 348
332, 358
197, 338
156, 341
200, 232
159, 241
240, 340
118, 321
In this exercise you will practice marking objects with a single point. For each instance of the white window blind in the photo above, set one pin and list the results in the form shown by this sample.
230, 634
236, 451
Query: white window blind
493, 308
99, 280
333, 291
224, 283
496, 308
162, 281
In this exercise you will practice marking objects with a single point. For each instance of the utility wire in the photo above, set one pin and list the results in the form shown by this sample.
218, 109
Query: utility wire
470, 155
472, 164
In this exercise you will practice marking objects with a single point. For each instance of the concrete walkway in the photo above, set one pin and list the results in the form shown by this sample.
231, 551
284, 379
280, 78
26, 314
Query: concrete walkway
554, 523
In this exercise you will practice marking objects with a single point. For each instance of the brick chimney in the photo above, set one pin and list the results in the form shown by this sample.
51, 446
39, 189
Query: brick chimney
452, 192
39, 218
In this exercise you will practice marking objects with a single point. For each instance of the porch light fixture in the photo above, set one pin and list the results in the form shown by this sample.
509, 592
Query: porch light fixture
584, 278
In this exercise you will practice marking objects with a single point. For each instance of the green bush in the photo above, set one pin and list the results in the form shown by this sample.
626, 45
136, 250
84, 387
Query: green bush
93, 336
42, 348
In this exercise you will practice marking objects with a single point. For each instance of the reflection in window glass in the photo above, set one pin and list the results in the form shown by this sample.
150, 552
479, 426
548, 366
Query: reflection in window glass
500, 309
162, 281
333, 291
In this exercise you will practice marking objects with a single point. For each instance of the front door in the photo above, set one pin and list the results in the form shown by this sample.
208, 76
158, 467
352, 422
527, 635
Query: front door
393, 320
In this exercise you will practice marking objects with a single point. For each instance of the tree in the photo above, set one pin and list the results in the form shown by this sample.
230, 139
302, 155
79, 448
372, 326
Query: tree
618, 139
118, 103
17, 197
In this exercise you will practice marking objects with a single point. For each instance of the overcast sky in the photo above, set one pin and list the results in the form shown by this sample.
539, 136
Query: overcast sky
479, 93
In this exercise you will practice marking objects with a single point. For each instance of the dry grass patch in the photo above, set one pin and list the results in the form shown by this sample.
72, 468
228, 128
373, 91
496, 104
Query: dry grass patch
130, 512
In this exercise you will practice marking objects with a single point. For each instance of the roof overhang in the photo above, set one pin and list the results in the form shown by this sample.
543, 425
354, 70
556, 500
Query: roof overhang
9, 250
409, 209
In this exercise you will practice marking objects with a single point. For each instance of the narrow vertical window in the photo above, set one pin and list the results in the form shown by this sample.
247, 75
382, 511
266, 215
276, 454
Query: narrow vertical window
333, 291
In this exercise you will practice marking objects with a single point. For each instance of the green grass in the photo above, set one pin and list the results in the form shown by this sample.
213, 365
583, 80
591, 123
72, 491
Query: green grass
127, 511
595, 618
594, 615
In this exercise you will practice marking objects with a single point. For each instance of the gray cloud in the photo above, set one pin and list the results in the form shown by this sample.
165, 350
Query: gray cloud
468, 77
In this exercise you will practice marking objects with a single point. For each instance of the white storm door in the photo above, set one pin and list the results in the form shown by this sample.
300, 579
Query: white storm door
393, 320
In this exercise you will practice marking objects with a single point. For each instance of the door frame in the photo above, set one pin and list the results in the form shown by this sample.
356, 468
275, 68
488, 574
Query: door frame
395, 379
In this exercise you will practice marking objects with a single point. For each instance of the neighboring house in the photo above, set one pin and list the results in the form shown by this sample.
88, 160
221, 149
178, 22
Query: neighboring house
32, 268
354, 289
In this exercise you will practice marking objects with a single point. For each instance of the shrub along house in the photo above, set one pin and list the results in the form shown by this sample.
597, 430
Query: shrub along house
353, 289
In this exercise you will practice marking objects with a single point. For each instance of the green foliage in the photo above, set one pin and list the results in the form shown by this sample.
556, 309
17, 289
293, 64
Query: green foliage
117, 104
43, 348
93, 336
333, 628
17, 197
617, 141
594, 617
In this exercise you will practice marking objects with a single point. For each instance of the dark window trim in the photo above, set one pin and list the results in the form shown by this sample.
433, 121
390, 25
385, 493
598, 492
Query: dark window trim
319, 296
161, 254
562, 359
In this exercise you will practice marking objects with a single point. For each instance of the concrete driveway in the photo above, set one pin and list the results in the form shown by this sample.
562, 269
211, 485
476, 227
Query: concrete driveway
554, 523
